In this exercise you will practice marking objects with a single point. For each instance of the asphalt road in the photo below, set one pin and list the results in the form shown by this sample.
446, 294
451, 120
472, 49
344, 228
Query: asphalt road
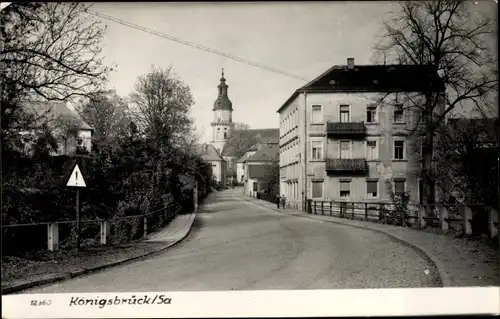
238, 245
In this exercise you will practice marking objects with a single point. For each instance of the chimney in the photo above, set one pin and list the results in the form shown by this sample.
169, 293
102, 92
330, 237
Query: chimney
350, 63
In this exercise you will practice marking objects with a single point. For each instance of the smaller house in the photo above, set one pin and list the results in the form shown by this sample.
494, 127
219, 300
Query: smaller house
69, 129
241, 164
209, 153
261, 168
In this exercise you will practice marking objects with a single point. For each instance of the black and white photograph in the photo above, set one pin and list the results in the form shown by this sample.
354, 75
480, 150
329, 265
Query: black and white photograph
247, 146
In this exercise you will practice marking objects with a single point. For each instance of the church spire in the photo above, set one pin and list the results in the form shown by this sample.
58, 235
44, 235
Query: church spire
222, 102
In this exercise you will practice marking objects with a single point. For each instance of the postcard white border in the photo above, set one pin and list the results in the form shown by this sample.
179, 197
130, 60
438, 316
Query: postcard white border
269, 303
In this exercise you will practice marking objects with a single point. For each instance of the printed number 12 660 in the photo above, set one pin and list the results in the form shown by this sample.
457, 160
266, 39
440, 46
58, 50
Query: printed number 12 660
41, 302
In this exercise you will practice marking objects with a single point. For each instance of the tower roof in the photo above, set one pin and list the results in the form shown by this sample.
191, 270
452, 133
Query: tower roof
222, 102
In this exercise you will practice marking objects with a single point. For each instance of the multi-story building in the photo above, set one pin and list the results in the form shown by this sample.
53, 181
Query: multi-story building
340, 141
68, 128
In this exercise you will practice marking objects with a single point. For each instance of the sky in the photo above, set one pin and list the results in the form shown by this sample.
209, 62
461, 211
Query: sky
303, 38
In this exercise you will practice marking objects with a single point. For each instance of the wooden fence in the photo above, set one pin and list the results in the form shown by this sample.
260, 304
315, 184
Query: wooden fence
23, 237
457, 218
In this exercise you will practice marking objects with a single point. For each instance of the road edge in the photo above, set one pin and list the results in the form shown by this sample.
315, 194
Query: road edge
45, 281
444, 278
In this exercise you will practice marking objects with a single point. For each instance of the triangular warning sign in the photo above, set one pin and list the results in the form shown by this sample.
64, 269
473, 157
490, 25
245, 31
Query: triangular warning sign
76, 178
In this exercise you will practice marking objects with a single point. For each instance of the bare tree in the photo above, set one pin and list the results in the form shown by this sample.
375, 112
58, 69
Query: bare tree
272, 178
241, 139
107, 114
160, 105
49, 51
67, 132
445, 37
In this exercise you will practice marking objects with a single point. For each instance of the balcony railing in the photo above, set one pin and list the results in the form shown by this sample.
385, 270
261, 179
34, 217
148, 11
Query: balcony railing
347, 165
346, 129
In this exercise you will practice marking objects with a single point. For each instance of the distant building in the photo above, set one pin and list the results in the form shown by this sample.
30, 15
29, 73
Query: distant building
336, 143
223, 127
241, 165
219, 166
69, 129
259, 168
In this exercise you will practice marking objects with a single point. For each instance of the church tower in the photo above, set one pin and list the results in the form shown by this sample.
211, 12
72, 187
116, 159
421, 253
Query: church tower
223, 116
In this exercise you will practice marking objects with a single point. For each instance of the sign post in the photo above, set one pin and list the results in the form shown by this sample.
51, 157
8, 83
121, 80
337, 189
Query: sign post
76, 180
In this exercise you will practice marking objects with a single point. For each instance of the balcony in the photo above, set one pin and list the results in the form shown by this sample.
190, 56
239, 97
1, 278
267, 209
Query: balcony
349, 129
346, 165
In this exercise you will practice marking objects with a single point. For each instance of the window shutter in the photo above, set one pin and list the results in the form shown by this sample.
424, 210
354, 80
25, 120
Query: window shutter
345, 186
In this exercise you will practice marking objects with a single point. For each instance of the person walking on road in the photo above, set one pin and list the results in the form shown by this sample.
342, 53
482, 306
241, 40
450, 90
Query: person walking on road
283, 201
278, 200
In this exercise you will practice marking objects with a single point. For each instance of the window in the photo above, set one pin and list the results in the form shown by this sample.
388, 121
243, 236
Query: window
316, 114
399, 147
317, 150
399, 114
371, 189
399, 187
345, 149
371, 114
345, 189
317, 189
225, 135
371, 150
344, 113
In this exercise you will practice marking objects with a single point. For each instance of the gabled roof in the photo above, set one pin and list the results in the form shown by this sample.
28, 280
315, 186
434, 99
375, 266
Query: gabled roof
371, 78
208, 152
268, 153
263, 136
46, 112
244, 157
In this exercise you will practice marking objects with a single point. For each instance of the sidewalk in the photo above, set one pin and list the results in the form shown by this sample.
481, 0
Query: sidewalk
20, 274
461, 262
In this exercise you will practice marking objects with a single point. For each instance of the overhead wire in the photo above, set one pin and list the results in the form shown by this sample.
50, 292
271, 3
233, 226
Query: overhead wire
194, 45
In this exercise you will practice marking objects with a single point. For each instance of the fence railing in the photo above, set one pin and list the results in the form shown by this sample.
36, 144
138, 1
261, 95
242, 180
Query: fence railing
20, 237
458, 218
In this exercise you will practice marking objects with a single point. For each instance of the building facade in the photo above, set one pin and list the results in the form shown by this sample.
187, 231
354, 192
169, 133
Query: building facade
259, 169
340, 141
68, 128
219, 166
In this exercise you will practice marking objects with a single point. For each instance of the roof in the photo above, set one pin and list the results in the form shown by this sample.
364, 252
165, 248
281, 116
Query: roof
48, 111
258, 171
244, 157
223, 102
263, 136
371, 78
209, 153
268, 153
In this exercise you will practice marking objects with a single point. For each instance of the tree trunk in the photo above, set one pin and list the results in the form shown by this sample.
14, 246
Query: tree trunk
427, 165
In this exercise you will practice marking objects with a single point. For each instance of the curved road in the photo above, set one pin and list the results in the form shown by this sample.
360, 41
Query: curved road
238, 245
